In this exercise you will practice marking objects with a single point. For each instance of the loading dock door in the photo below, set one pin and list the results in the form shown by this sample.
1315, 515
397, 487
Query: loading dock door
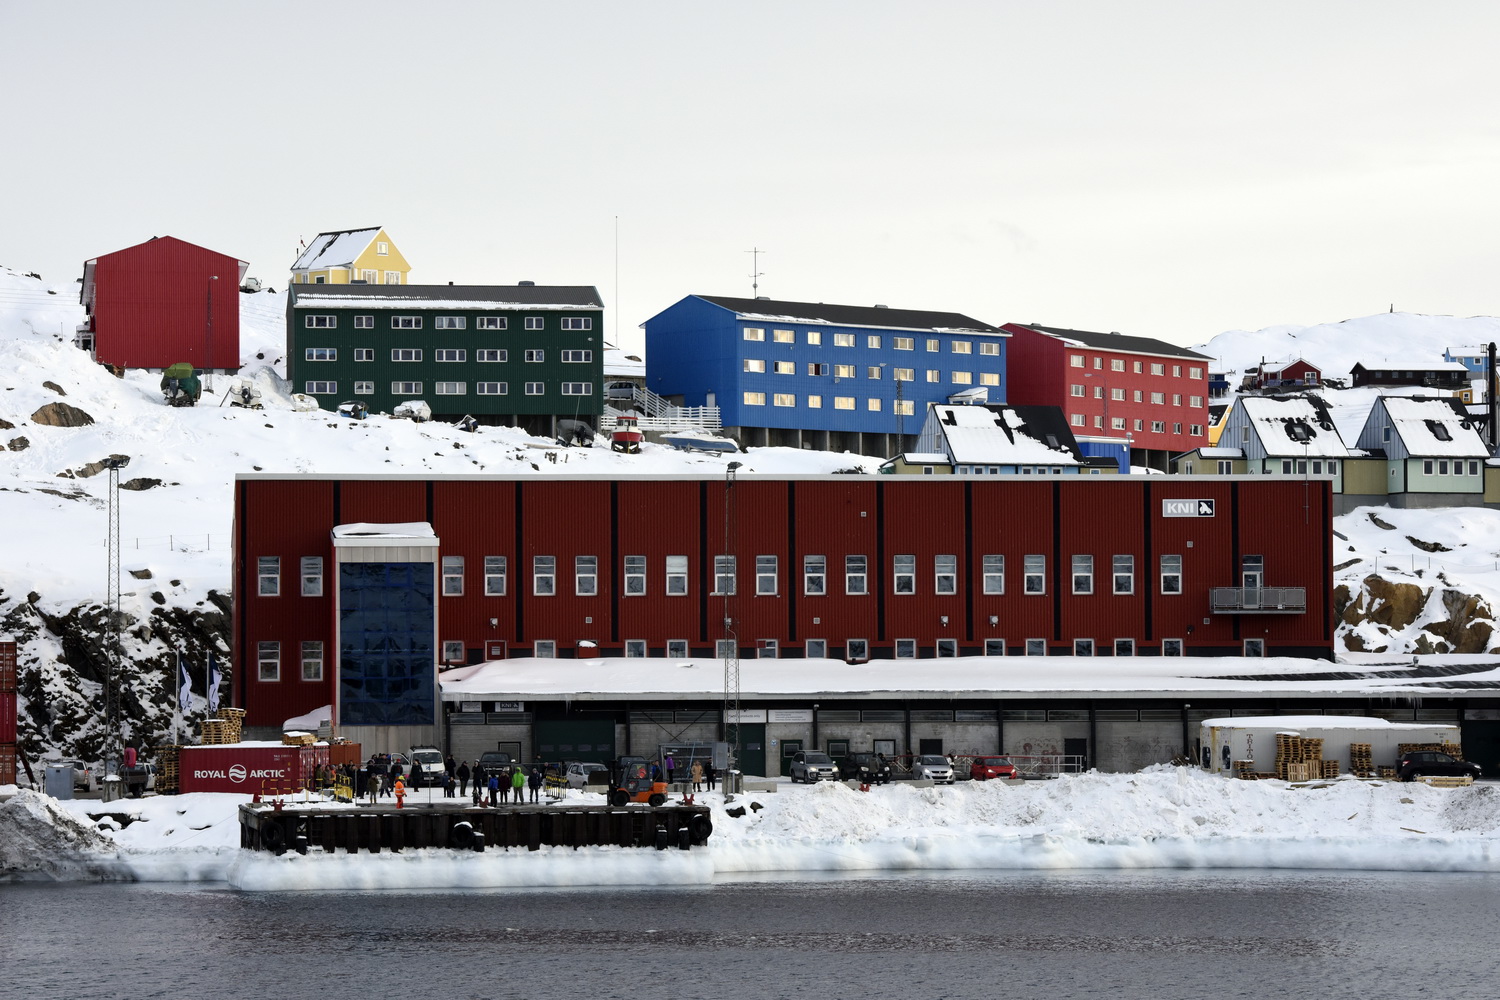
591, 740
752, 748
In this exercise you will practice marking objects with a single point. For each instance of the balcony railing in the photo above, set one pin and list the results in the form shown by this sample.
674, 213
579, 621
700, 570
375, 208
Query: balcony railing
1258, 600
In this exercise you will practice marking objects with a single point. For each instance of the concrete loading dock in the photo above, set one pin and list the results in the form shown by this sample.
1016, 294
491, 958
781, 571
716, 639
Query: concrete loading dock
1253, 738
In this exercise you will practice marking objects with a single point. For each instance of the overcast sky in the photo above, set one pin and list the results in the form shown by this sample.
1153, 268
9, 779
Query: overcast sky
1159, 169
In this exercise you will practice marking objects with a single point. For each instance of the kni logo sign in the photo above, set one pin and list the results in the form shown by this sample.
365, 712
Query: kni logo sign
1187, 508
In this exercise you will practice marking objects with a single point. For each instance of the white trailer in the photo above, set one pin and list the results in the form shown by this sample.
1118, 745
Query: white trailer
1224, 741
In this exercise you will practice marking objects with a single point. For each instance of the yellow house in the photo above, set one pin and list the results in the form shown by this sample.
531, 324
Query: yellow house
350, 255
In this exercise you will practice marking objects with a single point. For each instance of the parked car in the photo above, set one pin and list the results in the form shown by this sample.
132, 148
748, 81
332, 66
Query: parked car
619, 390
427, 767
494, 760
933, 766
84, 774
985, 768
578, 774
869, 768
1431, 763
809, 766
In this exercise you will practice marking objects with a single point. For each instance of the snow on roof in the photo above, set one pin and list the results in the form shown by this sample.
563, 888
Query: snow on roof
338, 249
1292, 723
363, 529
621, 363
1221, 452
644, 678
1294, 426
994, 436
315, 301
1430, 426
924, 457
1278, 366
1410, 365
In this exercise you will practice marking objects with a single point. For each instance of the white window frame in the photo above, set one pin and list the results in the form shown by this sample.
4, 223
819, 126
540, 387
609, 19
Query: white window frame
406, 355
320, 322
726, 575
535, 323
406, 322
320, 354
635, 576
1170, 574
536, 388
364, 354
450, 388
1034, 575
321, 387
1173, 647
577, 357
904, 575
994, 647
766, 576
453, 576
534, 355
577, 388
1124, 647
492, 388
268, 654
993, 568
491, 355
635, 649
754, 398
946, 648
1081, 570
1083, 647
906, 649
494, 576
675, 579
856, 575
755, 366
450, 355
585, 576
312, 659
725, 649
1122, 574
364, 323
577, 322
1036, 647
268, 576
406, 388
678, 649
312, 576
544, 576
856, 650
815, 649
544, 649
755, 333
489, 323
945, 575
450, 322
784, 399
453, 651
814, 568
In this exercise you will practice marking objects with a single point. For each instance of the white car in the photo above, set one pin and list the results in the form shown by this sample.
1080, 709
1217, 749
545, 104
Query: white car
578, 774
933, 766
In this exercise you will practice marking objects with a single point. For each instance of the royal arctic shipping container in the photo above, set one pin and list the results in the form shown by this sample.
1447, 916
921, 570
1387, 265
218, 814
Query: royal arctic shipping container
248, 768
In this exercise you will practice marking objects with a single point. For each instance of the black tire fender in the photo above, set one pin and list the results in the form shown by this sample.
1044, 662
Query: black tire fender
273, 836
461, 836
702, 828
657, 799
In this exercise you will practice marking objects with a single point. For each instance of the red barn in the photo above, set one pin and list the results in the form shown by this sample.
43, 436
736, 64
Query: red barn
161, 302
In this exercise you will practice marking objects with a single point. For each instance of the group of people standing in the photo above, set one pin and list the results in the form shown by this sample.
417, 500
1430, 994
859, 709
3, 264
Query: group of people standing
506, 783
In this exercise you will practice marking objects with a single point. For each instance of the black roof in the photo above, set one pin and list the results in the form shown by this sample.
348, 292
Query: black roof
1118, 342
1047, 425
837, 315
540, 295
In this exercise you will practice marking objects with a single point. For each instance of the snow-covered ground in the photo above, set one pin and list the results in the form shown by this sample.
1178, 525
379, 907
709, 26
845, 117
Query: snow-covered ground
1163, 817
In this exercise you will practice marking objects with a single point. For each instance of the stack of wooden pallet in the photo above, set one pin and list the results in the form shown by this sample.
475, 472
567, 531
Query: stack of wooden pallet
234, 718
166, 770
298, 739
215, 733
1387, 772
1288, 754
1330, 769
1451, 749
1361, 760
1244, 769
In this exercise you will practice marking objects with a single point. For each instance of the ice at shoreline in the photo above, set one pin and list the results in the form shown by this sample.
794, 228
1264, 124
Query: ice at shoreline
1161, 818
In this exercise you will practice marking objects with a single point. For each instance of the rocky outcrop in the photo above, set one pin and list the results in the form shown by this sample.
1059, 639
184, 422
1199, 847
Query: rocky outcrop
1410, 618
61, 415
19, 443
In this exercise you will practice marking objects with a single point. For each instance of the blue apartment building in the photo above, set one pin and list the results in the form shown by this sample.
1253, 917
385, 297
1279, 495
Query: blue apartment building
820, 375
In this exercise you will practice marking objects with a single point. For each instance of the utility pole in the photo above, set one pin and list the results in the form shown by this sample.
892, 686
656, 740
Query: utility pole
113, 745
732, 648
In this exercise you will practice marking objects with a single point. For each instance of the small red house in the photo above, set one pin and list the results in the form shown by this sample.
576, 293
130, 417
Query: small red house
1294, 374
162, 302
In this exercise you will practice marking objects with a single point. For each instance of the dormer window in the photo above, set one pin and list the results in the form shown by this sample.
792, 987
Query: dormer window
1439, 430
1299, 431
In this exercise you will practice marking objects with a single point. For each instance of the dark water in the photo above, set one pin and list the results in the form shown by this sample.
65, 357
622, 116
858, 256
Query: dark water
1158, 935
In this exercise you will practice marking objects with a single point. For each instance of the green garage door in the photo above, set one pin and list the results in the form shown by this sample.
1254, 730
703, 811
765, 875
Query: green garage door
575, 739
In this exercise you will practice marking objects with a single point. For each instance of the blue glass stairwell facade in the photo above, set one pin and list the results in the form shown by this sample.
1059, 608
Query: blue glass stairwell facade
387, 616
812, 366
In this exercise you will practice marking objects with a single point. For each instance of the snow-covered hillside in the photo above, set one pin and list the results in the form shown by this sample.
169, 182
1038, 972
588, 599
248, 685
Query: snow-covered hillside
1335, 347
175, 504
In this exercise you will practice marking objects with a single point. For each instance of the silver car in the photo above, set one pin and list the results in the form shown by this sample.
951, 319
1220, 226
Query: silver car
933, 766
578, 773
812, 765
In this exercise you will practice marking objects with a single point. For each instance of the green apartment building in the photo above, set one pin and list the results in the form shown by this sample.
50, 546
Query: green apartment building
520, 355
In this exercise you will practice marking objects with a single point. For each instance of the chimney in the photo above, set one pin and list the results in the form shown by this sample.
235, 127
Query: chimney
526, 284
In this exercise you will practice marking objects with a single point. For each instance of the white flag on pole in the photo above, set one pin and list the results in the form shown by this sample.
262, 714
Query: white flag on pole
184, 685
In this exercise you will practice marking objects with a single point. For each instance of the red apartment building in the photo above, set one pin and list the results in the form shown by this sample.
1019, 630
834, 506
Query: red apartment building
1116, 391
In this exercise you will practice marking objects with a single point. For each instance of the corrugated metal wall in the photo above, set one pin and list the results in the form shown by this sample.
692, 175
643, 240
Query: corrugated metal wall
152, 306
1287, 522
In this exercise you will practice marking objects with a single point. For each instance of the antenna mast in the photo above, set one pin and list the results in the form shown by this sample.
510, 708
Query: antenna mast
755, 272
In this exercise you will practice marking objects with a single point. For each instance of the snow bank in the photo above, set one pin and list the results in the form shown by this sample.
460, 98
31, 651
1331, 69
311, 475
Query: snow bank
39, 840
1161, 818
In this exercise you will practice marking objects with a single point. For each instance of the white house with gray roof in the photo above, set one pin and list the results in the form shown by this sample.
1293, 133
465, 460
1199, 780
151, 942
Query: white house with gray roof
1290, 436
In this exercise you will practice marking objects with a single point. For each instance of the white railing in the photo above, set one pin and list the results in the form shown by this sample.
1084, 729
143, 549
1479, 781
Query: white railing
673, 418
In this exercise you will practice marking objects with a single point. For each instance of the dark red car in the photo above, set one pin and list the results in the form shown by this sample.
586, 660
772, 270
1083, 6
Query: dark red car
984, 768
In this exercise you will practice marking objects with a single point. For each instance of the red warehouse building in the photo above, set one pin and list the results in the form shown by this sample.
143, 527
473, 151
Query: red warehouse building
162, 302
353, 591
1117, 392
